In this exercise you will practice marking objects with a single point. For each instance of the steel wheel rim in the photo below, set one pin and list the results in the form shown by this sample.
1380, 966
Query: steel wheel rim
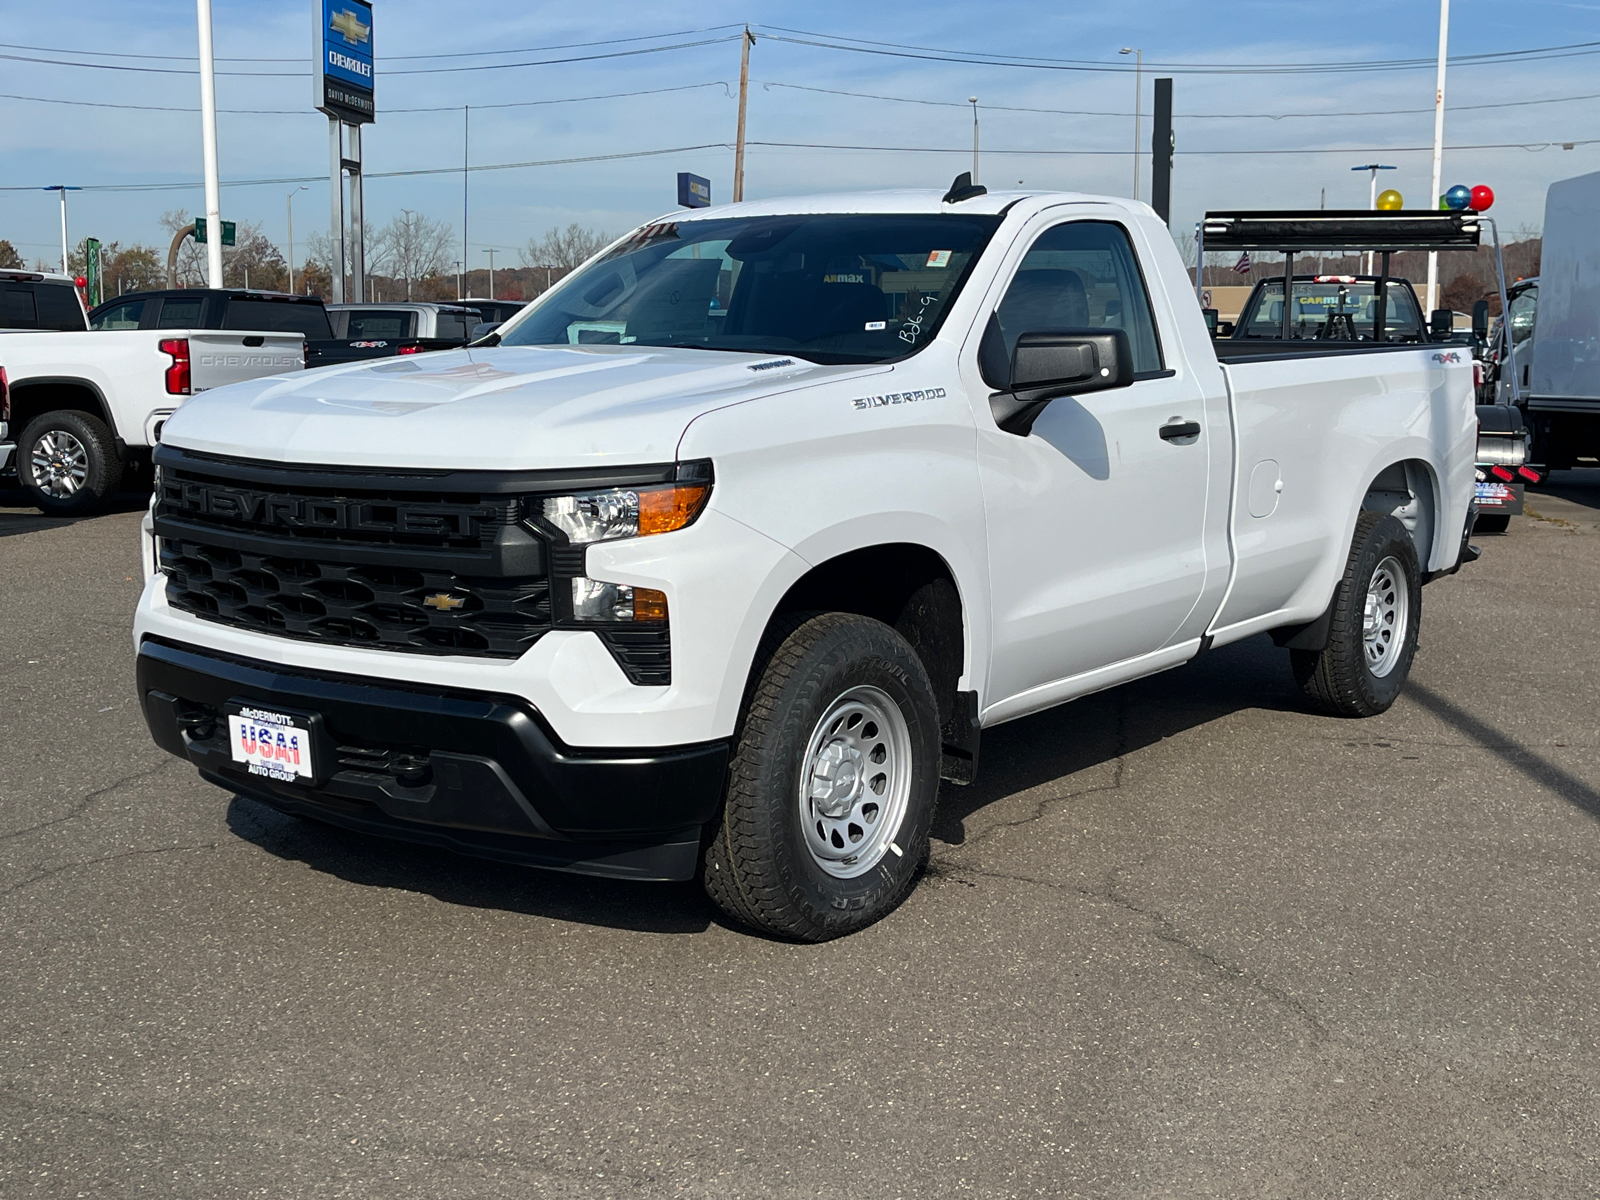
60, 464
1385, 617
855, 782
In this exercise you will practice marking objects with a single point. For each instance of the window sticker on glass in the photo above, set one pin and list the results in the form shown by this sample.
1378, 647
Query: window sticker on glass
939, 258
873, 326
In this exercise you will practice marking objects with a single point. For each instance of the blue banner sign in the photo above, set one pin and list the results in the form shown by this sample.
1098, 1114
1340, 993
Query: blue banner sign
344, 75
694, 191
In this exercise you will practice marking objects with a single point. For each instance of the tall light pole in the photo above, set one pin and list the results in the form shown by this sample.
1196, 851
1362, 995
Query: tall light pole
1372, 194
288, 204
63, 189
1138, 99
208, 146
490, 253
973, 100
1438, 145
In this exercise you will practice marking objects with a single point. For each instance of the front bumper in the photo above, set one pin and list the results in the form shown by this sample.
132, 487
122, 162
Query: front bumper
473, 772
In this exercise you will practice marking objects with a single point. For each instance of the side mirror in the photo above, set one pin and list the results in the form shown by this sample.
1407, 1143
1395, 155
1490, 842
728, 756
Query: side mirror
1210, 314
1441, 325
1480, 320
1048, 363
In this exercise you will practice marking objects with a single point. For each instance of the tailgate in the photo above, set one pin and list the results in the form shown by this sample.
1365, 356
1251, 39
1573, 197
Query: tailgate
218, 358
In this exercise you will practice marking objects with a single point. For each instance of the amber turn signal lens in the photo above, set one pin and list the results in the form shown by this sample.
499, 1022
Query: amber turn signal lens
661, 510
649, 604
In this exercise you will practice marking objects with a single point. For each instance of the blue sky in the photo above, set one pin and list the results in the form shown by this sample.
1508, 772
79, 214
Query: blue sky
44, 143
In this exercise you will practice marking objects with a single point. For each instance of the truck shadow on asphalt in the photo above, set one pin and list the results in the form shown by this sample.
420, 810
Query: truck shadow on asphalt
1017, 756
17, 514
1580, 487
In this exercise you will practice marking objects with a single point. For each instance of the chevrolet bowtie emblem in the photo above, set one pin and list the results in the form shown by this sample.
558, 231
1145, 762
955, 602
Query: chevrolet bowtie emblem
443, 601
346, 22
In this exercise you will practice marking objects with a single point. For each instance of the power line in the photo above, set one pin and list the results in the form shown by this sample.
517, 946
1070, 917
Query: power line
1529, 146
1074, 112
980, 58
307, 112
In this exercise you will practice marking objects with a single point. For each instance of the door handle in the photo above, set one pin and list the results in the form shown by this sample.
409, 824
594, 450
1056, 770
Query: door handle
1174, 431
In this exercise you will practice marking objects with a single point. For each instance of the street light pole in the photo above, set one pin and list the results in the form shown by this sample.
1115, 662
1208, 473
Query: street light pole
973, 100
1438, 145
1138, 112
208, 145
490, 253
63, 189
288, 204
1372, 195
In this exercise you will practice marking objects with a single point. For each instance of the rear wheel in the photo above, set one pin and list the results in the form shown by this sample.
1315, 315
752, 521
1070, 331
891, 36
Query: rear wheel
67, 462
1372, 638
832, 787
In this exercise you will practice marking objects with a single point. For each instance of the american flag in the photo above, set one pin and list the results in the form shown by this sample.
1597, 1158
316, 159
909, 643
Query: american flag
1242, 267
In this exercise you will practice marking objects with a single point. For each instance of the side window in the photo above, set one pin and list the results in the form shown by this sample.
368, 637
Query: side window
1522, 313
17, 309
179, 312
452, 326
59, 307
120, 316
1082, 275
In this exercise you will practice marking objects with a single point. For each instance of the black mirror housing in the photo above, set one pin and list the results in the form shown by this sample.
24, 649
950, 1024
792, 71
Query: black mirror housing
1210, 314
1048, 363
1441, 325
1480, 320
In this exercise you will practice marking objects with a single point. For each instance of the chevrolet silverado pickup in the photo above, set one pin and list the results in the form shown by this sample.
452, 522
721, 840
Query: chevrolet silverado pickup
731, 546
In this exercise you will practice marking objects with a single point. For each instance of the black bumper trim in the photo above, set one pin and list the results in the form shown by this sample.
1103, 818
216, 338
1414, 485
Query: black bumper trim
479, 773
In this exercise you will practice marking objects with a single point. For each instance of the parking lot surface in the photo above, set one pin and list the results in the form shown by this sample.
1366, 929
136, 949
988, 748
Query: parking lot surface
1184, 938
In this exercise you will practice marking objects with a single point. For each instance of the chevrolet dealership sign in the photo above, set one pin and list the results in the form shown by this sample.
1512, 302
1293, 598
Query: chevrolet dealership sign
343, 84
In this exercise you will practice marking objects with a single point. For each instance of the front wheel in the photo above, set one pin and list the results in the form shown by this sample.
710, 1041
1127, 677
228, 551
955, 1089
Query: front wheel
1372, 639
833, 782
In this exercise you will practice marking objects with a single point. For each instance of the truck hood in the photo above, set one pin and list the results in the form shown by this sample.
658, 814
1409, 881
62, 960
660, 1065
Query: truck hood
491, 408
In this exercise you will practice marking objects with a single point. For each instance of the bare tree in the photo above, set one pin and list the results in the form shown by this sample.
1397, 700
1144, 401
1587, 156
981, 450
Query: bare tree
9, 256
253, 259
412, 247
563, 249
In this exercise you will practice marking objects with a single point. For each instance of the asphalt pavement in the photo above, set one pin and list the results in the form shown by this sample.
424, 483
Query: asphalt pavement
1183, 939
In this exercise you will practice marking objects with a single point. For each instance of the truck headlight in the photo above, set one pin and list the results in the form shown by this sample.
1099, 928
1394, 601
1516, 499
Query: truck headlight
604, 516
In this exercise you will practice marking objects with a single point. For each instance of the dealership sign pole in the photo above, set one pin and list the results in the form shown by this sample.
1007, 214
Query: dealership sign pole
342, 86
208, 142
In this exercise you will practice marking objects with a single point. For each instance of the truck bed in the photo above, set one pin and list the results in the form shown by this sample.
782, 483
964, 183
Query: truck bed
1259, 349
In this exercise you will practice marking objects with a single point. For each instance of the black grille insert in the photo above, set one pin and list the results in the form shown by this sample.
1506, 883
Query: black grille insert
394, 608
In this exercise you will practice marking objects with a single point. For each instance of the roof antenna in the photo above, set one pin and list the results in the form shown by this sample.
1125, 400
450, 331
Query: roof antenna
964, 189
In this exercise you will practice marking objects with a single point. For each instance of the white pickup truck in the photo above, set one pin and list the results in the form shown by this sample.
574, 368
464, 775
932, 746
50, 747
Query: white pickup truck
733, 544
78, 407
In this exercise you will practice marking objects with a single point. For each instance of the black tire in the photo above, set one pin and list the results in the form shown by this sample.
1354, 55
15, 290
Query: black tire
759, 866
1340, 679
77, 469
1492, 523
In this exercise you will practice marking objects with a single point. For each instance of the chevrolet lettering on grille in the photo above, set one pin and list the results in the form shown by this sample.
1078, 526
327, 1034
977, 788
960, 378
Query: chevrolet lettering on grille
303, 512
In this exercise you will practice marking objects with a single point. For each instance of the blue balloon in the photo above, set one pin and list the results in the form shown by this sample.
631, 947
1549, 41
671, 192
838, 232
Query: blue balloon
1458, 197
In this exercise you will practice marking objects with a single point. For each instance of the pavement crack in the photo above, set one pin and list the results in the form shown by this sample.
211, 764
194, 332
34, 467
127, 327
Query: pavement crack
51, 872
1167, 931
87, 802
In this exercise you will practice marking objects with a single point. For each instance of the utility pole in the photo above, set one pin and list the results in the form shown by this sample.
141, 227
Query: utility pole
288, 204
1138, 100
208, 144
973, 100
466, 129
1438, 145
745, 43
490, 253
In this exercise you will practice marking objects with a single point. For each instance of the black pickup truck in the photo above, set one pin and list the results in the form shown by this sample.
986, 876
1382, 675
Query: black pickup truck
237, 308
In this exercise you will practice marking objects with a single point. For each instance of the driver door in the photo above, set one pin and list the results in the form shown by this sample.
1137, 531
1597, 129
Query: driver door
1095, 520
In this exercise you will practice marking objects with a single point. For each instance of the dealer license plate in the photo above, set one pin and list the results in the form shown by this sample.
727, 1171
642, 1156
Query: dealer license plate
271, 744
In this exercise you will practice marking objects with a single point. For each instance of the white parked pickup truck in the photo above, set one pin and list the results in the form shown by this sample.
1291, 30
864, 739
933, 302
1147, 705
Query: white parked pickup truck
79, 408
736, 541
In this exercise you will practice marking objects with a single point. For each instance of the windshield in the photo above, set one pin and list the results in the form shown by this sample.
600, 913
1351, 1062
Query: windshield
829, 288
1339, 310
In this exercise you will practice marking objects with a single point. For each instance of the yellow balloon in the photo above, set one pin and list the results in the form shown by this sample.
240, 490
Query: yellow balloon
1391, 200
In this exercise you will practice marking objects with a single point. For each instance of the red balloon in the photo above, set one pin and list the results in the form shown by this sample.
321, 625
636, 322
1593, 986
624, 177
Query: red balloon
1482, 198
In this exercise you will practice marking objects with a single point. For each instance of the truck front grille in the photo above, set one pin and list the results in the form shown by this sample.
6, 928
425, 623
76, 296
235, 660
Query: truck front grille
386, 607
